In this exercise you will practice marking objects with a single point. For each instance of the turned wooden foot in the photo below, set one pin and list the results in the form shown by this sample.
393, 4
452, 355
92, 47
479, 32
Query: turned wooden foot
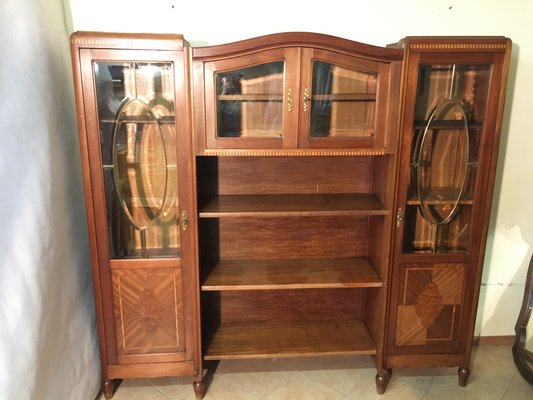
463, 374
109, 387
199, 388
382, 380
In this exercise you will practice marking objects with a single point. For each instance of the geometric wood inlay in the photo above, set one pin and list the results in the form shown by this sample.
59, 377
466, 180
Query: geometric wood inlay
412, 331
148, 310
429, 303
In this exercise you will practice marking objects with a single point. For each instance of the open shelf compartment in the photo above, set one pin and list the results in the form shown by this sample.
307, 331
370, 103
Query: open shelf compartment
270, 339
291, 274
291, 205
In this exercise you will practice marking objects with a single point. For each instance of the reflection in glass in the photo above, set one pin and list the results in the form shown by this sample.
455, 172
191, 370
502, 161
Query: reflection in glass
138, 141
250, 101
342, 102
449, 114
442, 162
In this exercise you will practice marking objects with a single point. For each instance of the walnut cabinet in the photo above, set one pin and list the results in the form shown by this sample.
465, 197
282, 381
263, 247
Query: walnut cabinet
295, 194
136, 148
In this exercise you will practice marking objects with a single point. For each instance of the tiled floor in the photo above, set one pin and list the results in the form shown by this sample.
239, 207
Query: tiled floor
494, 377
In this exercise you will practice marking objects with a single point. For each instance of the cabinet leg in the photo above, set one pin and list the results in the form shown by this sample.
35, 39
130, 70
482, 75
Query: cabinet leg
199, 388
201, 383
109, 387
382, 380
463, 374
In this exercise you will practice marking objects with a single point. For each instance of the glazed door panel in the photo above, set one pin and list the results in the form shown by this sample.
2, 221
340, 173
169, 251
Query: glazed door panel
251, 101
341, 97
137, 142
446, 138
447, 150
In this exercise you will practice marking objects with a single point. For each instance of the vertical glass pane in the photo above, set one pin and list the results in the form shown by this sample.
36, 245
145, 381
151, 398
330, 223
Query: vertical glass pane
342, 102
449, 115
250, 101
138, 142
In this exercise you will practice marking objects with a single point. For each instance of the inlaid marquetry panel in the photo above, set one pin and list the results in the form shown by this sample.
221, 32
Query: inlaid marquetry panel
148, 309
429, 303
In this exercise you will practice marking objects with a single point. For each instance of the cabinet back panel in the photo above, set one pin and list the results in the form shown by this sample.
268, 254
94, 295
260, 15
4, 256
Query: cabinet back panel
284, 305
275, 238
284, 175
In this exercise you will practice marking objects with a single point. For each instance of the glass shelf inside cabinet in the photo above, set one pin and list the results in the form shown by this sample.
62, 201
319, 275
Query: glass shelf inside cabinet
449, 116
138, 142
342, 102
250, 101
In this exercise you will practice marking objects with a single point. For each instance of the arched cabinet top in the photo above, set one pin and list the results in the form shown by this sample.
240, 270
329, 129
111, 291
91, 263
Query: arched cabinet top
298, 39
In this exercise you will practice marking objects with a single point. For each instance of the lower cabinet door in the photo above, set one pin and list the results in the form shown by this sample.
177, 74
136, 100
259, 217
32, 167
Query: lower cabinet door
429, 305
148, 311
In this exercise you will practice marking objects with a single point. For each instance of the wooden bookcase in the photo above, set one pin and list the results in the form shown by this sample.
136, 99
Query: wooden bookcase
332, 197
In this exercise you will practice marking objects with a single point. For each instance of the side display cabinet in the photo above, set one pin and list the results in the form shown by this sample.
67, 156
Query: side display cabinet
452, 116
132, 101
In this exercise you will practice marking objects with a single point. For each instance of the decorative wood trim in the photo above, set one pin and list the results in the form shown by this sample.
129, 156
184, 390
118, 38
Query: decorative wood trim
457, 46
315, 40
293, 153
493, 340
149, 370
135, 41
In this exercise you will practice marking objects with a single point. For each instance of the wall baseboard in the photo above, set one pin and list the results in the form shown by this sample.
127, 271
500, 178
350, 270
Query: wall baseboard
494, 340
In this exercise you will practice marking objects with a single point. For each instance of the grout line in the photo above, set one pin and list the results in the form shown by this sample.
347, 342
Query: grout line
156, 388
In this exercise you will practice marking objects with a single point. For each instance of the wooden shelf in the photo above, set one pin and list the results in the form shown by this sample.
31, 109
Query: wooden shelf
291, 274
440, 196
140, 120
447, 124
316, 97
251, 97
345, 97
294, 205
270, 339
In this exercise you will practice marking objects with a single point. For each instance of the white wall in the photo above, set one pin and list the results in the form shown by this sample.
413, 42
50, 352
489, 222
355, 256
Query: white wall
48, 344
381, 22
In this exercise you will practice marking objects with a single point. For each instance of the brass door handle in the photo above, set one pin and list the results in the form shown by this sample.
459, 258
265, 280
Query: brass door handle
306, 99
289, 100
184, 221
399, 217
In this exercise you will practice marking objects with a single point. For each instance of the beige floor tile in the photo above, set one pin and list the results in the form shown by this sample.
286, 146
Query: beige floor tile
519, 389
261, 384
340, 380
421, 378
336, 372
494, 364
223, 387
138, 389
299, 386
259, 377
398, 388
175, 388
446, 388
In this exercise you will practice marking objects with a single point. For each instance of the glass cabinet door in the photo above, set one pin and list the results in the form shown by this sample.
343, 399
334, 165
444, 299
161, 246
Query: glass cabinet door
449, 115
253, 101
138, 148
250, 101
339, 100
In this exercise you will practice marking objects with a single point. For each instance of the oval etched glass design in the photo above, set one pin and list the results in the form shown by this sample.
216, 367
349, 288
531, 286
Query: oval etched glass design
139, 164
442, 164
